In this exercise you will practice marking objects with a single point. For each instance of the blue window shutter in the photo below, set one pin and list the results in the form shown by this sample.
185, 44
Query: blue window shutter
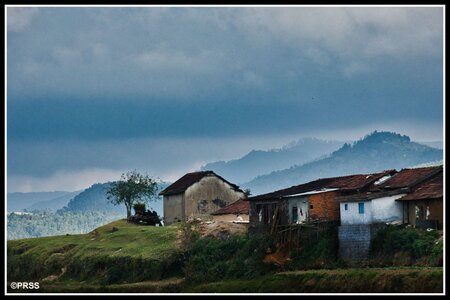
361, 208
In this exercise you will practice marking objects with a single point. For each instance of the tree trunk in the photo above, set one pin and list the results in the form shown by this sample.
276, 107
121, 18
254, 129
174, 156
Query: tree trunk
128, 210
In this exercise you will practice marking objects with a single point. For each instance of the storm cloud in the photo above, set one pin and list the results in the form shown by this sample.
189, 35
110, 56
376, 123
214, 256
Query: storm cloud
88, 80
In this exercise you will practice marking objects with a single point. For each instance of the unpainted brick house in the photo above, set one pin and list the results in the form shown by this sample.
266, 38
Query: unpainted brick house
197, 195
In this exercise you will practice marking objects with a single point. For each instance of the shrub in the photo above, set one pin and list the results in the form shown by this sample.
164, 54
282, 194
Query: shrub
317, 254
210, 259
139, 208
390, 240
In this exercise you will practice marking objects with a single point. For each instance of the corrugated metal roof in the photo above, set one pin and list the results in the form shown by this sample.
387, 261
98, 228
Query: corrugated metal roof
429, 189
312, 192
189, 179
350, 182
239, 207
410, 177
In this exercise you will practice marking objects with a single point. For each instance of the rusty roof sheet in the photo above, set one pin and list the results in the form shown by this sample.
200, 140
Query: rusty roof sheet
189, 179
350, 182
429, 189
238, 207
410, 177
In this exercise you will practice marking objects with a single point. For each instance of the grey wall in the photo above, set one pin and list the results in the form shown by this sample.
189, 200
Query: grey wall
354, 242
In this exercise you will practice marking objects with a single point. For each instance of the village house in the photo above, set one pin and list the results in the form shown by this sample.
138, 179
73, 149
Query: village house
236, 212
424, 205
388, 201
411, 196
197, 195
312, 201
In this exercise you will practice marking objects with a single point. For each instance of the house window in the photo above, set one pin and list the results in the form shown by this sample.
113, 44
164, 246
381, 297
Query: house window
361, 208
345, 206
294, 214
311, 206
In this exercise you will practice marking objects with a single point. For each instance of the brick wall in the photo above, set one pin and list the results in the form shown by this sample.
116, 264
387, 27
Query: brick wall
324, 206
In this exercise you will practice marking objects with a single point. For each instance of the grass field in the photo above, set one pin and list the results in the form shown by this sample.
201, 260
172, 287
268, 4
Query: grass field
364, 280
106, 255
125, 258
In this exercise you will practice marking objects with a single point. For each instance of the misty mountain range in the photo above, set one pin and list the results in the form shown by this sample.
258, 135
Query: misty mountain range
258, 162
39, 200
263, 170
376, 152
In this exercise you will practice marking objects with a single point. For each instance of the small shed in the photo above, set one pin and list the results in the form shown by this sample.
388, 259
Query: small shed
424, 205
236, 212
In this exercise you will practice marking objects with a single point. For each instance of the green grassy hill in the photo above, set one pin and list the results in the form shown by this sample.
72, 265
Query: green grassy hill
116, 252
122, 257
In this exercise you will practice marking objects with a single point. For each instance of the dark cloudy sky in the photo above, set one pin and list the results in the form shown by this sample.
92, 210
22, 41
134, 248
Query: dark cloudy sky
93, 92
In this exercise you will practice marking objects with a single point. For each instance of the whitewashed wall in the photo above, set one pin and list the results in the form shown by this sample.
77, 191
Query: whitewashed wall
302, 205
379, 210
386, 209
352, 215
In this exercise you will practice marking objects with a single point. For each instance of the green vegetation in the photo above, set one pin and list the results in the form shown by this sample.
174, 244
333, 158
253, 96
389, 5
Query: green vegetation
117, 252
211, 259
400, 280
125, 257
317, 254
132, 187
397, 245
47, 223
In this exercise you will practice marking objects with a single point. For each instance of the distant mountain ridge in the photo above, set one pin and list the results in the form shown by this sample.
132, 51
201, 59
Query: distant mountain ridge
54, 204
259, 162
38, 200
94, 199
377, 151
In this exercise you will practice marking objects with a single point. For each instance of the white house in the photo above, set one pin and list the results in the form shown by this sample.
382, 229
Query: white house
372, 208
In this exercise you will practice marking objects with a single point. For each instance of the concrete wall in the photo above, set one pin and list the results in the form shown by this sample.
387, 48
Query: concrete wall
173, 209
207, 196
230, 218
354, 242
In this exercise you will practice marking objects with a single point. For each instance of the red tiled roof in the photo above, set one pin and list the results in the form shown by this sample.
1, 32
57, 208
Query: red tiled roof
189, 179
410, 177
239, 207
430, 189
350, 182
